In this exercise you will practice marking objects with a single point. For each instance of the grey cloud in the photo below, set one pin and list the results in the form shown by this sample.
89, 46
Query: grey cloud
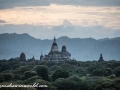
13, 3
2, 21
4, 4
89, 2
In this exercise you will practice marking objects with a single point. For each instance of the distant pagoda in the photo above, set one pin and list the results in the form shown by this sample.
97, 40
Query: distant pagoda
22, 57
101, 58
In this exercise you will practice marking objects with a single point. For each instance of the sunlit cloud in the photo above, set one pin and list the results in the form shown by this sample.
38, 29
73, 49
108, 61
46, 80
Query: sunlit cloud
54, 15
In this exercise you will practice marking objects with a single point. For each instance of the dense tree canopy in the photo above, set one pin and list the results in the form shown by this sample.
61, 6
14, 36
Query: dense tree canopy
69, 75
60, 74
42, 71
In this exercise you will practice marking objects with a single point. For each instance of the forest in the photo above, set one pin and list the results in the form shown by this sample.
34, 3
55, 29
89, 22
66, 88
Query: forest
68, 75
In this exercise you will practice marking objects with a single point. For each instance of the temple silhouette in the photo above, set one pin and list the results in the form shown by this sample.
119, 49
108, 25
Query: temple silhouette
56, 55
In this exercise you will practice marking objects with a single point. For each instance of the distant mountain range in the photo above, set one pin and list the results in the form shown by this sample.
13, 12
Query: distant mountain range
12, 45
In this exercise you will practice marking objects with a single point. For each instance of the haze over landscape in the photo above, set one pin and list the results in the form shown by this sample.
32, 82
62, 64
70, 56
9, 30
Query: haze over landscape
81, 49
82, 22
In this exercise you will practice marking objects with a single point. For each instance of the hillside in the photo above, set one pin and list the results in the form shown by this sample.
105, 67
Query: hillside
11, 45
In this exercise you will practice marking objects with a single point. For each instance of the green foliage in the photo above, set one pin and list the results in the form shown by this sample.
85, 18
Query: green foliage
108, 84
5, 67
117, 71
55, 67
30, 80
29, 74
12, 62
107, 71
1, 78
100, 75
50, 63
16, 66
72, 62
66, 66
43, 82
8, 76
71, 83
81, 71
98, 72
42, 71
21, 69
16, 76
91, 68
102, 72
60, 74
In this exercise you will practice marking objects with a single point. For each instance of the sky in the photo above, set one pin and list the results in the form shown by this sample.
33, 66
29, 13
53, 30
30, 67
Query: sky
45, 19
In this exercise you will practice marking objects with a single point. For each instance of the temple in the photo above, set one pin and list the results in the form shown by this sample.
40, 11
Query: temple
56, 55
101, 58
22, 57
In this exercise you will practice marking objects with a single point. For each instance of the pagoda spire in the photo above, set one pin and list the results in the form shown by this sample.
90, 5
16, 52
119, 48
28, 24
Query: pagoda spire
101, 58
54, 39
63, 43
41, 53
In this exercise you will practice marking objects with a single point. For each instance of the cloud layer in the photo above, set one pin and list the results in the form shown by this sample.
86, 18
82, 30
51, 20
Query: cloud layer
55, 15
73, 18
21, 3
2, 21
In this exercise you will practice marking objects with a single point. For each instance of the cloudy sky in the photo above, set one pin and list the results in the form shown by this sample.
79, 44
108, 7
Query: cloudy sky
73, 18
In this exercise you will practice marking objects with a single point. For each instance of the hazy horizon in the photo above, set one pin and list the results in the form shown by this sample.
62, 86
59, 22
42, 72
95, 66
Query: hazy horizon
81, 49
60, 36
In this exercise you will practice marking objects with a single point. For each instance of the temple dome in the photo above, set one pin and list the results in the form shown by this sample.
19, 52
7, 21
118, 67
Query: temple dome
63, 47
54, 44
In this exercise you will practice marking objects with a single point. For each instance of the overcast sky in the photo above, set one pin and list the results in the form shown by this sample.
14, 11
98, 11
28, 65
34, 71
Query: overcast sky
73, 18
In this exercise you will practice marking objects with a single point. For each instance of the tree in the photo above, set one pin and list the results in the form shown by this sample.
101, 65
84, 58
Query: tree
72, 62
107, 84
98, 72
30, 80
16, 76
8, 76
54, 67
117, 71
29, 74
71, 83
107, 72
81, 71
22, 69
66, 66
42, 71
5, 67
43, 82
1, 78
60, 74
16, 66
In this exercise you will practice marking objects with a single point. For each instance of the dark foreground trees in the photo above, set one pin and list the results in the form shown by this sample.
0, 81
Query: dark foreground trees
60, 74
42, 71
71, 83
72, 75
117, 71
